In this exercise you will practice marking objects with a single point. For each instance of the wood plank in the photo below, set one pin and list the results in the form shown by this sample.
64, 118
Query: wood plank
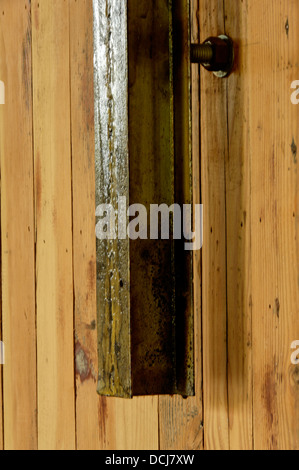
180, 421
274, 136
130, 424
54, 273
102, 423
238, 220
213, 156
17, 228
89, 406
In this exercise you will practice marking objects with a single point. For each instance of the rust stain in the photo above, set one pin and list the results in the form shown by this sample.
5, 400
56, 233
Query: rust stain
294, 150
92, 326
269, 396
91, 276
103, 416
295, 375
83, 364
277, 307
287, 27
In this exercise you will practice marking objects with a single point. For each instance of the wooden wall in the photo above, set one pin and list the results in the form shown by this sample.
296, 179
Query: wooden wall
246, 276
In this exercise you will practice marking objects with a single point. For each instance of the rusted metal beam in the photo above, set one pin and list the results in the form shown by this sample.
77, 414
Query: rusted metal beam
112, 181
143, 153
183, 194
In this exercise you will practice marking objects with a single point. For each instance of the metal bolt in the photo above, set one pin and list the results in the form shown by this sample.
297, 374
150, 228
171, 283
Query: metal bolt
201, 53
216, 54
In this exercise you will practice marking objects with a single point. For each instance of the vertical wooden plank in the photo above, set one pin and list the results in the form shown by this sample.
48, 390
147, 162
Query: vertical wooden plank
180, 421
89, 409
102, 423
274, 136
54, 273
213, 156
17, 228
238, 221
131, 424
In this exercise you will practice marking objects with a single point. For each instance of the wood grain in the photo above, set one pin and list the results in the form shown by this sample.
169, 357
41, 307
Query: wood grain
102, 423
89, 412
180, 420
130, 424
53, 205
248, 179
214, 151
17, 228
238, 223
274, 136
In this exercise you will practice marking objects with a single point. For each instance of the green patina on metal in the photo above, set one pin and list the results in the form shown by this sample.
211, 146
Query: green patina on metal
112, 181
143, 152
